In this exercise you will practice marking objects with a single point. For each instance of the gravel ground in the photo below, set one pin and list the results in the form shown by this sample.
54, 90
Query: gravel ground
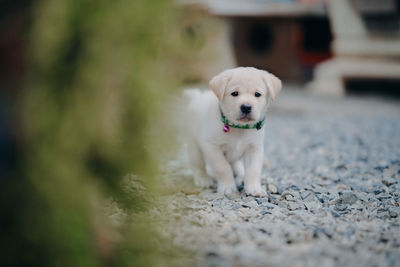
333, 185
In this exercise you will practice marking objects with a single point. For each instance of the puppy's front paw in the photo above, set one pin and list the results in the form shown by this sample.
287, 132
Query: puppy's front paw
239, 180
203, 181
255, 190
227, 190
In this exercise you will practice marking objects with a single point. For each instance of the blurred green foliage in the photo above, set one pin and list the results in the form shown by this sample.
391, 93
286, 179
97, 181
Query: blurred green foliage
99, 72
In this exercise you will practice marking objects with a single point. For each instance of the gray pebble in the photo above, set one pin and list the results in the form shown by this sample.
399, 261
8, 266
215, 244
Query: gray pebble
312, 206
293, 187
261, 200
289, 196
218, 203
334, 213
293, 206
266, 212
340, 207
306, 194
394, 212
389, 181
323, 198
348, 197
272, 188
383, 196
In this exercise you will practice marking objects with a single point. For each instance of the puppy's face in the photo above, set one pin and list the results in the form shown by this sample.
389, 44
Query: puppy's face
244, 92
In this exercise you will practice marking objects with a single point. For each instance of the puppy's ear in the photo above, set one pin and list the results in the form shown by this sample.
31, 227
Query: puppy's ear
218, 83
272, 83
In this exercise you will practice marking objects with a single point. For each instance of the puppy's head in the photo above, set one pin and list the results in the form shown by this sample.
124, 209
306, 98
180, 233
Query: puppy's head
243, 93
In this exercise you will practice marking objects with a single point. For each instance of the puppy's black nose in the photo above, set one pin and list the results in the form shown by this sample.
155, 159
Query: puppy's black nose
246, 109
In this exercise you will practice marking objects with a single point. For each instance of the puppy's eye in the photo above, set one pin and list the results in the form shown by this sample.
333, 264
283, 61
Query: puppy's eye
257, 94
235, 93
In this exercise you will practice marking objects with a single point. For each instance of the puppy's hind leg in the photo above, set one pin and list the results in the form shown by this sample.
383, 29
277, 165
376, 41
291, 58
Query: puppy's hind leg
198, 166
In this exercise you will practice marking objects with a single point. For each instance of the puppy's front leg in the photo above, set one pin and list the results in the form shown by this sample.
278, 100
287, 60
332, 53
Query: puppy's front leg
253, 167
220, 168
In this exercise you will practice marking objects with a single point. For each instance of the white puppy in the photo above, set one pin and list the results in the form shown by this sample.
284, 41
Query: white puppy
226, 129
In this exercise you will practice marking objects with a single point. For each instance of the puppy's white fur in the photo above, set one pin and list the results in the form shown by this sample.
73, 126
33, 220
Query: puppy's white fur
239, 152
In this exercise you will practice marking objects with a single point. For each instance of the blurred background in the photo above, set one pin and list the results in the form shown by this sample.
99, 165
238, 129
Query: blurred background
333, 47
82, 83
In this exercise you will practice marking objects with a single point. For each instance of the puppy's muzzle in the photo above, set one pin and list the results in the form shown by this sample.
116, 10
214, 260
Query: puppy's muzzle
245, 108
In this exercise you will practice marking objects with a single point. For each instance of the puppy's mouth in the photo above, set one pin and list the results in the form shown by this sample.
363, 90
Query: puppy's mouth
245, 118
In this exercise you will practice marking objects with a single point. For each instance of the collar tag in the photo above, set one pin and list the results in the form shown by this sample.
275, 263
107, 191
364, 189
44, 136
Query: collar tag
226, 128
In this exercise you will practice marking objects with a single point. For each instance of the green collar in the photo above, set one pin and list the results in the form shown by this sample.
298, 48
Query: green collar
258, 125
